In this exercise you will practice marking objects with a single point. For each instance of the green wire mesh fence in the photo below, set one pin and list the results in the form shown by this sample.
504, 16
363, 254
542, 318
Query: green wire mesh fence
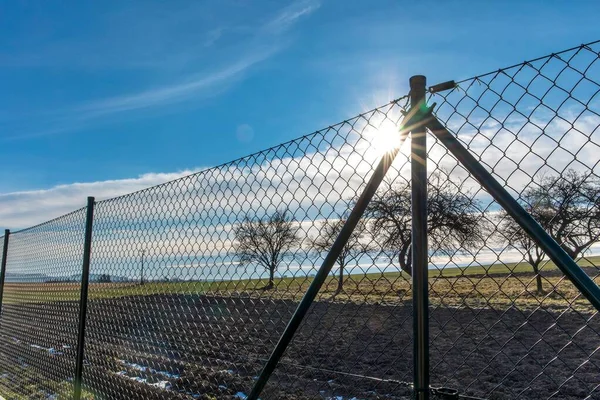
192, 282
40, 307
524, 328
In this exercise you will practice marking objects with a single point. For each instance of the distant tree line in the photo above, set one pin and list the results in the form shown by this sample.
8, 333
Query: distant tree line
567, 206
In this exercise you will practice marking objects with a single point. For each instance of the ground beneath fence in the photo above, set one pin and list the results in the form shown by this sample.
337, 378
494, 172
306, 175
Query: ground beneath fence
212, 347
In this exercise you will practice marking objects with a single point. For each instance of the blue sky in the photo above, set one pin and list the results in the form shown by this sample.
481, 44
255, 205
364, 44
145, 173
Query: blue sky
122, 95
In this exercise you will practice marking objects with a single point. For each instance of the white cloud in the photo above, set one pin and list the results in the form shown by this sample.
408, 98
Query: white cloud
188, 221
319, 171
27, 208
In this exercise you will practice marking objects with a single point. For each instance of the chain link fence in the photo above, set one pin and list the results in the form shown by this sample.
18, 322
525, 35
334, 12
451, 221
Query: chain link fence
505, 322
40, 307
193, 282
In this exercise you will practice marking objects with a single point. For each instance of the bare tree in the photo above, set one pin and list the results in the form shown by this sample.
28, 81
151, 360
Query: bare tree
266, 241
518, 239
454, 219
356, 246
568, 207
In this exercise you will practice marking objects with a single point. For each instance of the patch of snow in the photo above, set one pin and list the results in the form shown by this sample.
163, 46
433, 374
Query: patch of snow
162, 385
144, 368
241, 395
55, 352
165, 385
165, 374
134, 366
51, 350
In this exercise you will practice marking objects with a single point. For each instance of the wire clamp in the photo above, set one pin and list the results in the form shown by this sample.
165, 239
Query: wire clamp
445, 393
440, 87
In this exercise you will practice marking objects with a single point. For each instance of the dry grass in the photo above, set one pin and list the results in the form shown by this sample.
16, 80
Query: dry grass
498, 286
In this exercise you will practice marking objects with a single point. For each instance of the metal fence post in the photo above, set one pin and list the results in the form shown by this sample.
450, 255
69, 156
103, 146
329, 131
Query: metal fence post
411, 121
85, 278
3, 267
419, 244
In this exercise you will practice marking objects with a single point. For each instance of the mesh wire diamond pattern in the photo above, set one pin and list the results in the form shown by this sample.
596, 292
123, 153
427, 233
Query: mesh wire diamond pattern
192, 282
40, 309
535, 126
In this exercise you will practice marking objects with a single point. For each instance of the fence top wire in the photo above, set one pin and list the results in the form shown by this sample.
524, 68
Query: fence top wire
264, 151
49, 222
581, 46
309, 135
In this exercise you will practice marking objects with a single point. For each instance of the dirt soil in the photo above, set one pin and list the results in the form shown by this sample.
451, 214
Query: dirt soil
212, 347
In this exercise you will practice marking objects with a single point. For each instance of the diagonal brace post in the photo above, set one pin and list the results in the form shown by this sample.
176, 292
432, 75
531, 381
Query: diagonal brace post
563, 261
413, 120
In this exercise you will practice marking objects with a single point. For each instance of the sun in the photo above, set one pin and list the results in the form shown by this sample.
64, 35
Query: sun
386, 138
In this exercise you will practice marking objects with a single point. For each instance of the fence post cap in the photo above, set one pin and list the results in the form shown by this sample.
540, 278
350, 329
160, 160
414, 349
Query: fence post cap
417, 81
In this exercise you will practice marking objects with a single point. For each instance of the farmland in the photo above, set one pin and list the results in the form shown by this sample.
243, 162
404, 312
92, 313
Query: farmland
189, 339
502, 284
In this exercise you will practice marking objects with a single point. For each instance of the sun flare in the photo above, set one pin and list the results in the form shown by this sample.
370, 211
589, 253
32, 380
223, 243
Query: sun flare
386, 138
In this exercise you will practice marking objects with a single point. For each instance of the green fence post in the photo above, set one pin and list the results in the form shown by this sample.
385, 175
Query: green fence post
85, 280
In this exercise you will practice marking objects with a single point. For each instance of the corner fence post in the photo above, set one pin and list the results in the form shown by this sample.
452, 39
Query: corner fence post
85, 280
418, 165
3, 267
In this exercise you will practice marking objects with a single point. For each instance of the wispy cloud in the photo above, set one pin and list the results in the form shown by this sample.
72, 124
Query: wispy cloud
261, 42
290, 15
27, 208
207, 84
200, 85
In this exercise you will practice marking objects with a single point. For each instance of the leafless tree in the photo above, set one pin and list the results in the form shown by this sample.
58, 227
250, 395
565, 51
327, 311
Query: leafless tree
567, 206
518, 239
454, 219
266, 241
356, 246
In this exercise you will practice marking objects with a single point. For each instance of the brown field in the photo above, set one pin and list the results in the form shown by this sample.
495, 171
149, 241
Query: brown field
491, 336
488, 286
